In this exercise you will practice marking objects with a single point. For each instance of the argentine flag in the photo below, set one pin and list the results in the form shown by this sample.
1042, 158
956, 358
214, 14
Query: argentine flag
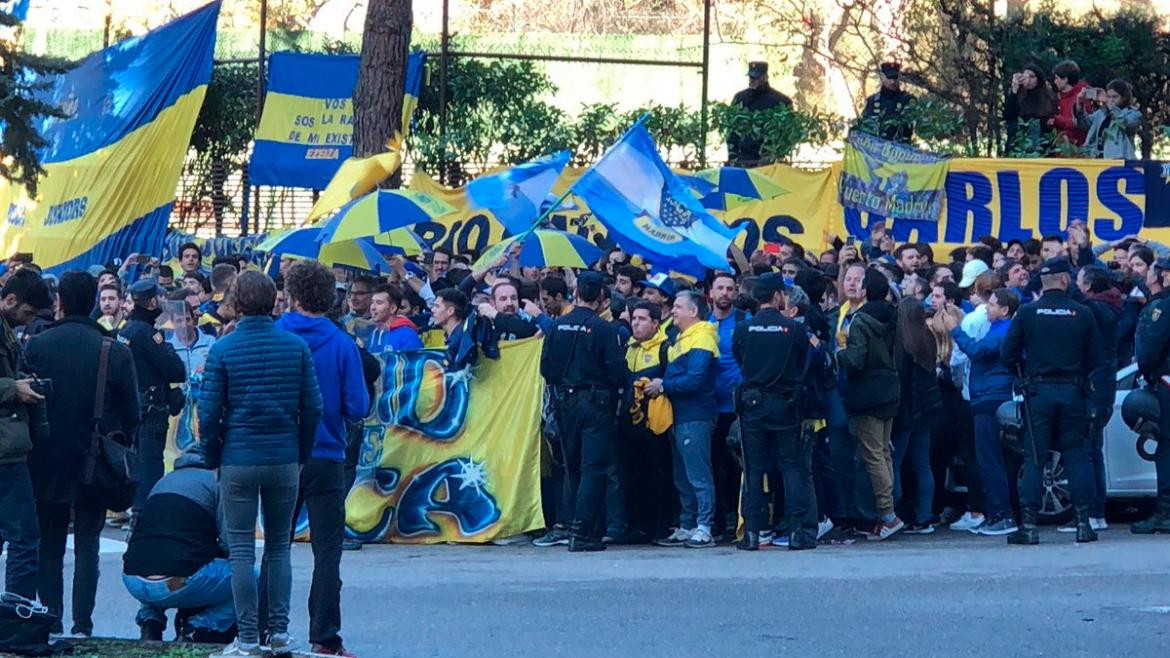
649, 211
517, 195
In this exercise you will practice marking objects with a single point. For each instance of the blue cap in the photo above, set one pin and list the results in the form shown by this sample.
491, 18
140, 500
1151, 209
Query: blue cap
145, 290
660, 282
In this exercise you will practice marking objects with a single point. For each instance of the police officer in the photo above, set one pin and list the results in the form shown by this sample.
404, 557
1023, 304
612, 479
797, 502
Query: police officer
158, 366
1152, 352
1058, 344
772, 351
744, 150
886, 110
584, 364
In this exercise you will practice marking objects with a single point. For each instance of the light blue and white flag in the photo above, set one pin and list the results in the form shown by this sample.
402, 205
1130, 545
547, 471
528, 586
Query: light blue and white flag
649, 211
516, 195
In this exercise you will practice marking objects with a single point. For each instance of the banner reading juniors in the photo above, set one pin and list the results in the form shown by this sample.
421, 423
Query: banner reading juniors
451, 456
111, 166
891, 179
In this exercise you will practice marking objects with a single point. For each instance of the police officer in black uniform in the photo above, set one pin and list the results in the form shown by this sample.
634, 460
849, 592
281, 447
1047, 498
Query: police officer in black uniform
1058, 344
743, 150
1152, 352
584, 363
772, 351
158, 367
885, 111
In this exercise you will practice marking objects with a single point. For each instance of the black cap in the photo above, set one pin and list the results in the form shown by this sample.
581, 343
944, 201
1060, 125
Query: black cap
145, 290
767, 285
891, 70
590, 281
1162, 264
1055, 266
756, 69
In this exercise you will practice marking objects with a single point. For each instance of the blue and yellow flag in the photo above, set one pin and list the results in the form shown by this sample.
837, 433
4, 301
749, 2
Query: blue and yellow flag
306, 130
448, 456
891, 179
112, 165
358, 176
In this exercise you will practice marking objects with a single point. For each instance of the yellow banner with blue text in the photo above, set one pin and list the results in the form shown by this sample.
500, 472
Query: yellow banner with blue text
1005, 198
451, 456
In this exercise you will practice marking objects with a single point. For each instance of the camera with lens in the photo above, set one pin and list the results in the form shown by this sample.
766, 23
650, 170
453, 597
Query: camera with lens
38, 422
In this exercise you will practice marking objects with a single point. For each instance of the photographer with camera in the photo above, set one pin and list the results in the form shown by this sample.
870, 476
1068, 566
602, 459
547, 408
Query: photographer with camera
18, 518
158, 366
66, 358
1113, 124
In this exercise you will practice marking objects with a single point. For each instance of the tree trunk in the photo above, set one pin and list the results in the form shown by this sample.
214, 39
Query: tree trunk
377, 100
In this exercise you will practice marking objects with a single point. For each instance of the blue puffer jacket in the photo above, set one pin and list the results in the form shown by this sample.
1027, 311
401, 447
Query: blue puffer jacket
991, 381
260, 404
689, 382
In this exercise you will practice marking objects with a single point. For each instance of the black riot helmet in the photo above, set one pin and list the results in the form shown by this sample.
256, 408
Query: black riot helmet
1011, 425
1141, 411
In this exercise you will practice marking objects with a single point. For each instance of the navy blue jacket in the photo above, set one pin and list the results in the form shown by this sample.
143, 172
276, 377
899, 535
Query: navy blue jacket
991, 381
339, 376
260, 404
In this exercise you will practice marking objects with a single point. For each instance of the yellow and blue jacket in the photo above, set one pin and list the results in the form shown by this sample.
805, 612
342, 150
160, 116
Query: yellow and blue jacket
691, 371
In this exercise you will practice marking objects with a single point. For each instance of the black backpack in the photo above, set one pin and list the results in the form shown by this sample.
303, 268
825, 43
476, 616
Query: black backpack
24, 626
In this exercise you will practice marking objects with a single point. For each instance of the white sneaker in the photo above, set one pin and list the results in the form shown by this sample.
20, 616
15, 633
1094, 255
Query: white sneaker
679, 537
968, 522
700, 538
824, 527
1098, 524
766, 537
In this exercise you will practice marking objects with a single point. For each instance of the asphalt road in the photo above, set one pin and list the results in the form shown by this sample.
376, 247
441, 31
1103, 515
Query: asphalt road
950, 594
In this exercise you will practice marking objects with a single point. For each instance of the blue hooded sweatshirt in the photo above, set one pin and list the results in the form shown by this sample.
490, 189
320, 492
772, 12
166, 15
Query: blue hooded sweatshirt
339, 376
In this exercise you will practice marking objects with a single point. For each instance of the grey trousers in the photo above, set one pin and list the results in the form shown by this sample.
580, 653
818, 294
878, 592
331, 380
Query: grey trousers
242, 491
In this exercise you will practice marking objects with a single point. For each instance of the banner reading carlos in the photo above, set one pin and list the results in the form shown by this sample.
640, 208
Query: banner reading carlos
451, 456
1023, 199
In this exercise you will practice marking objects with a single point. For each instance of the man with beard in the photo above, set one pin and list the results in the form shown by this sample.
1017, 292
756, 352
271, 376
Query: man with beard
18, 512
725, 316
158, 367
504, 312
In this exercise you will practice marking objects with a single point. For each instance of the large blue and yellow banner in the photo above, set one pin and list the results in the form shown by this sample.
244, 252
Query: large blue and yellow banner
113, 163
892, 179
1004, 198
306, 129
451, 456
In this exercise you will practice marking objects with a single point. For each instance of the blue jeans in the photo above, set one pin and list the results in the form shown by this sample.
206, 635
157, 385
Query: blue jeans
209, 590
913, 443
692, 473
243, 490
19, 528
993, 472
1097, 459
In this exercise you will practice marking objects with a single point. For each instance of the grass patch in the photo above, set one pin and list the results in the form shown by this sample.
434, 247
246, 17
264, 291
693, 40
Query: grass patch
102, 648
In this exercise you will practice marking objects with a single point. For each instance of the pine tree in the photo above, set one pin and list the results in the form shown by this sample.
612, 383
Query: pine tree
22, 76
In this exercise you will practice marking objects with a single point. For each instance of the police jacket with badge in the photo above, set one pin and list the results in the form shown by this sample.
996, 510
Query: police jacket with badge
68, 353
1030, 339
583, 353
772, 351
1152, 340
155, 360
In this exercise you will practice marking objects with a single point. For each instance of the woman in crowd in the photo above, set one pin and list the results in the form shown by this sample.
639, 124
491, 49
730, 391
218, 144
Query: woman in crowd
258, 415
916, 354
1111, 129
1027, 111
